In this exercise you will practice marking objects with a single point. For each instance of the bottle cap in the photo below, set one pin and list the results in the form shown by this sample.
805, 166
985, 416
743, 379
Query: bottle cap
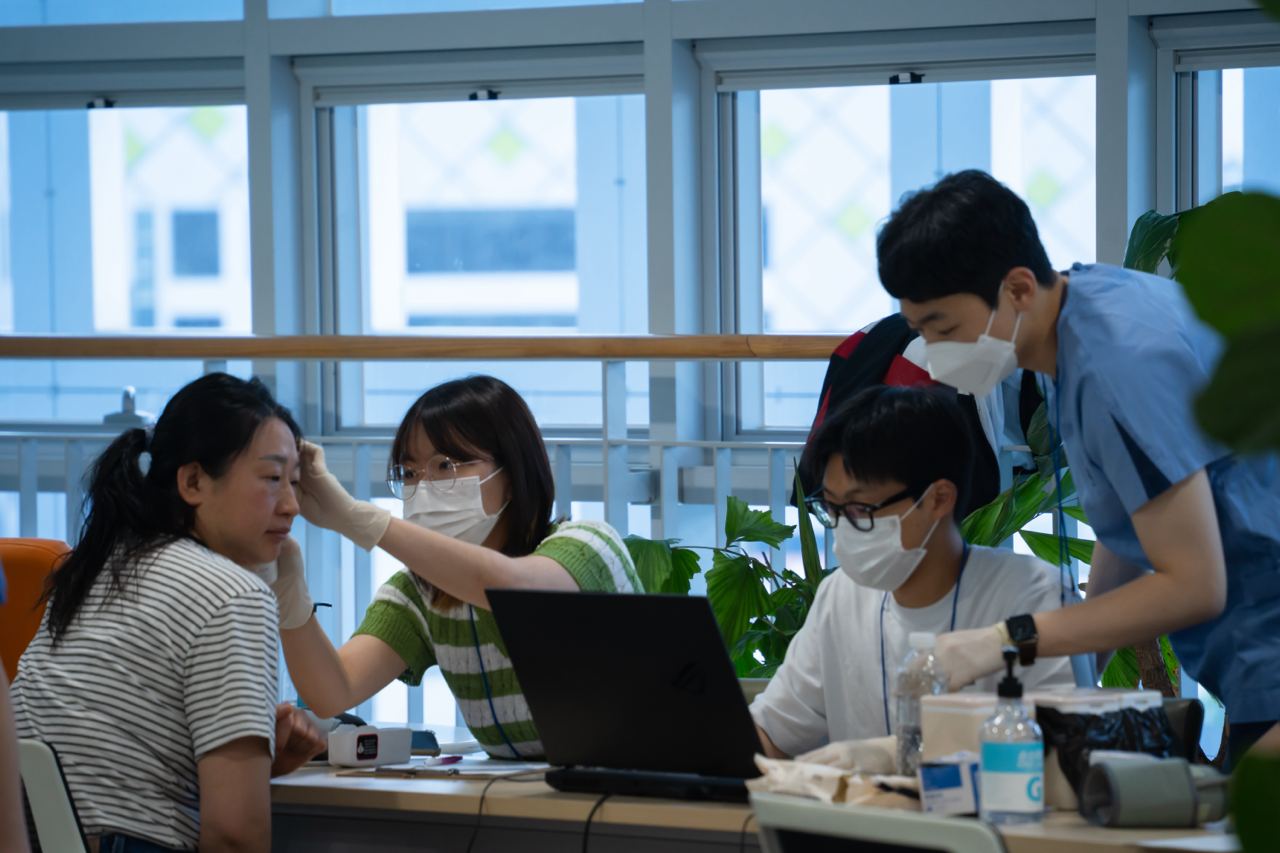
1010, 687
921, 640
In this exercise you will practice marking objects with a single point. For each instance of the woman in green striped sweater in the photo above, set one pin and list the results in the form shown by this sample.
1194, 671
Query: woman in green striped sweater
470, 464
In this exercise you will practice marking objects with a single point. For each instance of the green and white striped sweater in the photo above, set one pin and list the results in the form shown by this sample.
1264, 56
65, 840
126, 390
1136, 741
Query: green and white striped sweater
403, 618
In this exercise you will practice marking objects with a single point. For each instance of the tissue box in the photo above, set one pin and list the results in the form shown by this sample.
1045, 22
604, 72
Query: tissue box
367, 746
949, 785
950, 723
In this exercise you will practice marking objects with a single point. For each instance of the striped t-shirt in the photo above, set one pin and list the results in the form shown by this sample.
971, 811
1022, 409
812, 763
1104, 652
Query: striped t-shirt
462, 637
141, 686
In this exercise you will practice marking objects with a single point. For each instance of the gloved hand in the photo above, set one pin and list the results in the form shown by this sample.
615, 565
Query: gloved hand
288, 580
326, 504
877, 755
966, 656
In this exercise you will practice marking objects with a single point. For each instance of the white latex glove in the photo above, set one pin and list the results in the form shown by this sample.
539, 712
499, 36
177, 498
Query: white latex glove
288, 580
326, 504
877, 755
966, 656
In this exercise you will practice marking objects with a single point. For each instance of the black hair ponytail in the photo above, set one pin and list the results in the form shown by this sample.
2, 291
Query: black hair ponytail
132, 505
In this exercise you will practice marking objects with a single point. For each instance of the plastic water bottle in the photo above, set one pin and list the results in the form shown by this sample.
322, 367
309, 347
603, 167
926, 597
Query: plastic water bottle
919, 675
1012, 776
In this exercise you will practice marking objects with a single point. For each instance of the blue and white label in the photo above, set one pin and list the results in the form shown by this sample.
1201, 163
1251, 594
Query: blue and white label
1012, 777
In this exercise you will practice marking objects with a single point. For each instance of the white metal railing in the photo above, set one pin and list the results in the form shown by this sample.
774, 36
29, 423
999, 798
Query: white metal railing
42, 482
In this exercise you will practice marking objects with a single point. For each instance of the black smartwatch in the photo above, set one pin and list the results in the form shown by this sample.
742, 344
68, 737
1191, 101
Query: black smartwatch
1022, 631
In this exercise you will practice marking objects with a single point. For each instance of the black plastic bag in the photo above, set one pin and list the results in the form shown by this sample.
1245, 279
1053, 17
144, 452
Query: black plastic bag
1077, 735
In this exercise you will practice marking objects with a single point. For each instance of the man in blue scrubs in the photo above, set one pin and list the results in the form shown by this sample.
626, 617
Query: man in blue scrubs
1126, 356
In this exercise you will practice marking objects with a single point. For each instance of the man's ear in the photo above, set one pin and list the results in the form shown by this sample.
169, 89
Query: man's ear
942, 500
1022, 285
193, 483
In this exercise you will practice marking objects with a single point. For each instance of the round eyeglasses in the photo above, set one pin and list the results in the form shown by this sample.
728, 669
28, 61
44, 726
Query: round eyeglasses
861, 515
440, 473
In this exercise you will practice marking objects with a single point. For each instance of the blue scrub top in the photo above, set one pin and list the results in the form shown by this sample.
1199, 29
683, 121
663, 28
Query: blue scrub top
1131, 357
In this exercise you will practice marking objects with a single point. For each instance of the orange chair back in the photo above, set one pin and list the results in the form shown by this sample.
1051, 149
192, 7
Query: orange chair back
26, 564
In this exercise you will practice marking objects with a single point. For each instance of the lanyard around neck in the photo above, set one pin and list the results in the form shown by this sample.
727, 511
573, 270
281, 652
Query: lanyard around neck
884, 603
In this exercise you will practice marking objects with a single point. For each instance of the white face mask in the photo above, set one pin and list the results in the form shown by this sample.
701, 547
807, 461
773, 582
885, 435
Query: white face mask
975, 368
876, 558
458, 513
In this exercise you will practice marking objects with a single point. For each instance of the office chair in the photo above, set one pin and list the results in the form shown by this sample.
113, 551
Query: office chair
798, 825
27, 564
57, 824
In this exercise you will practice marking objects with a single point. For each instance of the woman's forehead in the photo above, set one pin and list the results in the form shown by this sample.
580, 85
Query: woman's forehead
419, 447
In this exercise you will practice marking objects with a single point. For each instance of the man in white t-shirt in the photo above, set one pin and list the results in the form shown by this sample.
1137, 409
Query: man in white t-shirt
895, 464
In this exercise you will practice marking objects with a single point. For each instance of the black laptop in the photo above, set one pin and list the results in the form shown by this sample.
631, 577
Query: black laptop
632, 694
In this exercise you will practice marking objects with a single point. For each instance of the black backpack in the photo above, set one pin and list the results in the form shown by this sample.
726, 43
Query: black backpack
868, 365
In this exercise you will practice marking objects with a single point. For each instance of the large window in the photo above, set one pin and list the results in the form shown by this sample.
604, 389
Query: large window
121, 221
490, 218
833, 163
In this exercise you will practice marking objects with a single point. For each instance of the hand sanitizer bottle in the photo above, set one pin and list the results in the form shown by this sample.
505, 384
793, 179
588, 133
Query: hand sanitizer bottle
1012, 775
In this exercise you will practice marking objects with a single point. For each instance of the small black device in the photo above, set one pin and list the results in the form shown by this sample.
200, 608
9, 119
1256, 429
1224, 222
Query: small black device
1023, 633
631, 694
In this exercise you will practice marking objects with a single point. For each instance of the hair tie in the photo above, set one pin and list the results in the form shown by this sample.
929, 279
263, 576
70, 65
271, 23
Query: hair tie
144, 458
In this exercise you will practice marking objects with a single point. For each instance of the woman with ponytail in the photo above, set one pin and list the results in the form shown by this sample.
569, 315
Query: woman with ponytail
153, 673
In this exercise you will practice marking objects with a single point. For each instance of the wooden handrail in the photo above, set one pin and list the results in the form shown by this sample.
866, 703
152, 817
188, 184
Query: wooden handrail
375, 347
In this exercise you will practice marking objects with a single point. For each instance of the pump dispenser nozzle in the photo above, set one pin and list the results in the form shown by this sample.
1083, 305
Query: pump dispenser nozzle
1010, 687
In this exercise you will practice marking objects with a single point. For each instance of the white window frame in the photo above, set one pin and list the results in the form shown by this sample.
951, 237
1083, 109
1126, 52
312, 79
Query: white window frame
1190, 49
329, 82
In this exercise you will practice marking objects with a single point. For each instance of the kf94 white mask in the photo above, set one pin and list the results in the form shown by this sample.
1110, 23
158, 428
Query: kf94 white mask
975, 368
876, 558
458, 513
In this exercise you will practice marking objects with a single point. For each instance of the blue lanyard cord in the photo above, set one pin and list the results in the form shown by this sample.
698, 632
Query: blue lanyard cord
884, 603
484, 679
1064, 552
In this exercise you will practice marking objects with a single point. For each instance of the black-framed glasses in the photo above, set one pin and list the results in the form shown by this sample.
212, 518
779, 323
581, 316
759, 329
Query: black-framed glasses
440, 473
861, 515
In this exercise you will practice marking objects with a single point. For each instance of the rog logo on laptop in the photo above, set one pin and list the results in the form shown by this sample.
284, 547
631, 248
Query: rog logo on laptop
690, 679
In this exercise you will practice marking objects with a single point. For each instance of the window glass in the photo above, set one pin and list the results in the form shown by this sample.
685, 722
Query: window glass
1250, 127
124, 221
26, 13
835, 161
505, 218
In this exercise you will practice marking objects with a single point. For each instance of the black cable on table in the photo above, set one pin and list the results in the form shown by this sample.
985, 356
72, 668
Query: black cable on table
586, 829
742, 836
530, 776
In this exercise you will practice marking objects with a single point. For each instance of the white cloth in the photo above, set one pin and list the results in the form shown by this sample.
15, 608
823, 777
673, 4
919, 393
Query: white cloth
829, 687
144, 684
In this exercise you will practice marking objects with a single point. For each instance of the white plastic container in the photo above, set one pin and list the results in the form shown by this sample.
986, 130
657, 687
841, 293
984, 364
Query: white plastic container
368, 746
